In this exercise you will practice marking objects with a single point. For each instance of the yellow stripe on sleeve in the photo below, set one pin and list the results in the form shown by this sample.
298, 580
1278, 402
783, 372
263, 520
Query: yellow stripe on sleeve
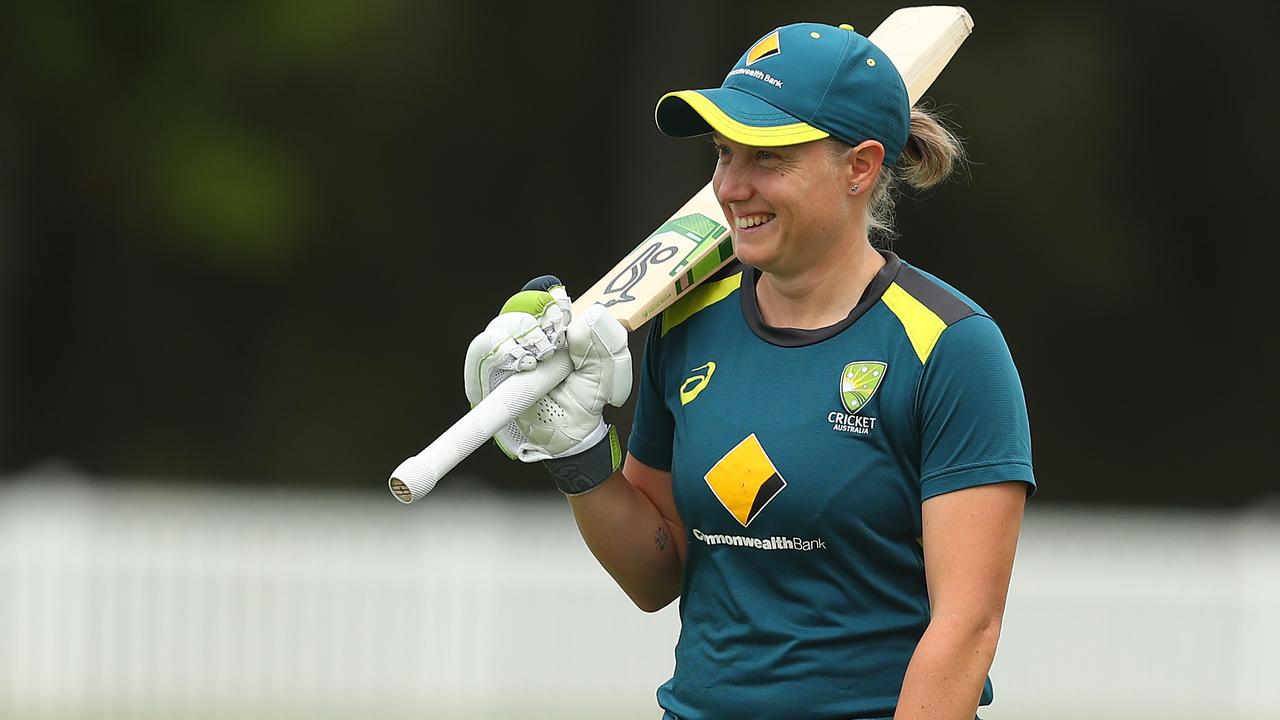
697, 299
923, 326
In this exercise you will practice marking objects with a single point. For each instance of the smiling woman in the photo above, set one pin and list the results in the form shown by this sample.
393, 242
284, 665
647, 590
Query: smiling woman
843, 545
830, 453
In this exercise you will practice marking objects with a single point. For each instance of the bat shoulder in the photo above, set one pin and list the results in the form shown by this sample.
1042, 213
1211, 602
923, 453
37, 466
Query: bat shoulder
721, 285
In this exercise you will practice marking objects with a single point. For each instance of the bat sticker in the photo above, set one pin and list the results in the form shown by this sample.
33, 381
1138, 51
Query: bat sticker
632, 274
699, 228
696, 227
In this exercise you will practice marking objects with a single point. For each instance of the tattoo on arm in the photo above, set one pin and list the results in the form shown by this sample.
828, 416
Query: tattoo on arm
662, 538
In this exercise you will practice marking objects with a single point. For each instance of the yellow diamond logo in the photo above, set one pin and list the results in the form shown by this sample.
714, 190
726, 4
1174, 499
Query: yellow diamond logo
767, 46
745, 480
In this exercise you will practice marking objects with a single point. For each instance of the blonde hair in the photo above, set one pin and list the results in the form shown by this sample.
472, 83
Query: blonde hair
932, 153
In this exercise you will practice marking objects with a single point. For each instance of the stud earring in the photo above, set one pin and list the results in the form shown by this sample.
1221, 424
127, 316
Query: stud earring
854, 189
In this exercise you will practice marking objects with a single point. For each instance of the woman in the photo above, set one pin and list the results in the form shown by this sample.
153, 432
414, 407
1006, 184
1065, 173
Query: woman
830, 454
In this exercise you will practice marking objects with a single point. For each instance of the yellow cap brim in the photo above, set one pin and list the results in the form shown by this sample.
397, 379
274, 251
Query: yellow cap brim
689, 113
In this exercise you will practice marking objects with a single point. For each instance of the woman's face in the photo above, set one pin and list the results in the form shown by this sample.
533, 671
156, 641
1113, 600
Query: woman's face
786, 205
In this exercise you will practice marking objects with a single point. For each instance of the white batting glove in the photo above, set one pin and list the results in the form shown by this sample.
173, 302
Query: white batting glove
570, 418
566, 427
532, 325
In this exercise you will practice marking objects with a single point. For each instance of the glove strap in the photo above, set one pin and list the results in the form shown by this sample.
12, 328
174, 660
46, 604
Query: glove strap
580, 473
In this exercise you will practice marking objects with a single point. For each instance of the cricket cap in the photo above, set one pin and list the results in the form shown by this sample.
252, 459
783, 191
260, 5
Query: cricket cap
799, 83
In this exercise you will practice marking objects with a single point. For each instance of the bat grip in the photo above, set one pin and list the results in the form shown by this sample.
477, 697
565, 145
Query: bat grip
418, 475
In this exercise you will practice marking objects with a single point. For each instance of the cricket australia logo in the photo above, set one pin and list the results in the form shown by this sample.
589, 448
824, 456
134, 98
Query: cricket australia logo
859, 382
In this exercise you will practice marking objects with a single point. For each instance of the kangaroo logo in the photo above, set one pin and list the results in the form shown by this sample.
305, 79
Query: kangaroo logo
699, 229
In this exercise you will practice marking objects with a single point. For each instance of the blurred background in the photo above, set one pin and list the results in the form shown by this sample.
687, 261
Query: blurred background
243, 247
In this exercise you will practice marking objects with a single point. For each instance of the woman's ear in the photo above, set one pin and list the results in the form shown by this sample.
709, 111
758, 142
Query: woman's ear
862, 164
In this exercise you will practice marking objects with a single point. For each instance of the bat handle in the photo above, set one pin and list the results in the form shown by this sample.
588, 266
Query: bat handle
418, 475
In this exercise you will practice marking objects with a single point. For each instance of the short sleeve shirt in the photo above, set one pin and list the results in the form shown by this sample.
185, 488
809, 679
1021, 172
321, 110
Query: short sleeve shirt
799, 461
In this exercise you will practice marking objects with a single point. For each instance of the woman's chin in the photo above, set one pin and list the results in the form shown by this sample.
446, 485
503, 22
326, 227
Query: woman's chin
755, 254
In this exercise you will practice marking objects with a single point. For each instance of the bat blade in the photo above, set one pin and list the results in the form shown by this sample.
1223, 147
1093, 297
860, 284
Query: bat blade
685, 250
921, 41
680, 254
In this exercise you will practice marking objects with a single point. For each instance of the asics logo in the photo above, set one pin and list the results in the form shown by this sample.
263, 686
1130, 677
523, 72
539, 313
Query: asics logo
695, 383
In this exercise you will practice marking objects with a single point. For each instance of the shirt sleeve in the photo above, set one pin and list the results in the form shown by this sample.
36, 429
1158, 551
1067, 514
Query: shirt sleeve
972, 412
653, 429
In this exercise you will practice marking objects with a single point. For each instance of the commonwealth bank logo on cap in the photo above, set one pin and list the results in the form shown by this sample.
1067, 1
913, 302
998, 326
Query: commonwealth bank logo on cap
766, 46
745, 480
797, 84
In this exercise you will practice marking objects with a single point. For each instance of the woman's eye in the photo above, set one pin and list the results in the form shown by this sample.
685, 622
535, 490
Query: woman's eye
764, 155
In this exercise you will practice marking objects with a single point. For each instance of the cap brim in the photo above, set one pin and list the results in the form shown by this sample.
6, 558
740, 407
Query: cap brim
738, 116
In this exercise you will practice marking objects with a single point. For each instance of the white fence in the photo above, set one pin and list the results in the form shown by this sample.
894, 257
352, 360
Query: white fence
146, 602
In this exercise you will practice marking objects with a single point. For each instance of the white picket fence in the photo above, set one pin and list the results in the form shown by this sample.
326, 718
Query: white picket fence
122, 601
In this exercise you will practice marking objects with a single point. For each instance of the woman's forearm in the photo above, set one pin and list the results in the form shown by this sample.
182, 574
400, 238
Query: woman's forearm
945, 677
632, 541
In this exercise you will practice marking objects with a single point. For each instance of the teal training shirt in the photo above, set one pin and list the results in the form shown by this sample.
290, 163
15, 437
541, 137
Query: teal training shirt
799, 462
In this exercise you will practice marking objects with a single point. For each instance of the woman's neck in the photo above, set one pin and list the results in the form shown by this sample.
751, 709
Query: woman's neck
824, 294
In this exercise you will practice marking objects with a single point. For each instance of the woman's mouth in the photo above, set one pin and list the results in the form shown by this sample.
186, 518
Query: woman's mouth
747, 222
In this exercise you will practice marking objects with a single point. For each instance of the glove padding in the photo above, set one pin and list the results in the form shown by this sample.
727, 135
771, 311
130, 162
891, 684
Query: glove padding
534, 324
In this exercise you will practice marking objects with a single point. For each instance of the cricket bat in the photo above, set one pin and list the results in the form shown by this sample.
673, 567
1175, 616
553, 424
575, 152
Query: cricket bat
685, 250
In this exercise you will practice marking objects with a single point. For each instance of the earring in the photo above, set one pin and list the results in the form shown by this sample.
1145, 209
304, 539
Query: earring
854, 189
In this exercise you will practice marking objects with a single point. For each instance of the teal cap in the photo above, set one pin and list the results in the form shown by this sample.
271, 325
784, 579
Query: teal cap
799, 83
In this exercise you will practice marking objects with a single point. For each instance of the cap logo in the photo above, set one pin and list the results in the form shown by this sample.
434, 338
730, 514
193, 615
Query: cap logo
767, 47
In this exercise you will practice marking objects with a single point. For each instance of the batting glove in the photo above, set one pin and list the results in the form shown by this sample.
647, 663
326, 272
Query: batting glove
566, 428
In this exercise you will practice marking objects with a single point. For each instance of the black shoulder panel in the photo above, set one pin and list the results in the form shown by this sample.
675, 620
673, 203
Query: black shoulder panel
941, 301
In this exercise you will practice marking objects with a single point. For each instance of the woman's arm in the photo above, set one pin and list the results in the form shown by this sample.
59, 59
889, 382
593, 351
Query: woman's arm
970, 537
632, 527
